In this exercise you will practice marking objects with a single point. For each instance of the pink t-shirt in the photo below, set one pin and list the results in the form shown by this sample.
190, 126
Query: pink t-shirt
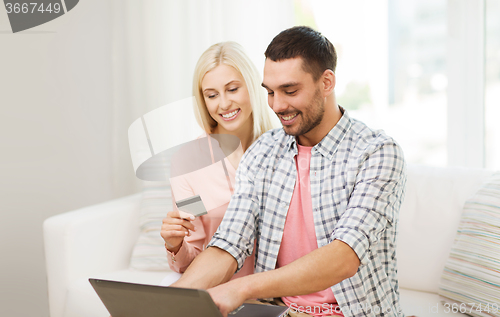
299, 239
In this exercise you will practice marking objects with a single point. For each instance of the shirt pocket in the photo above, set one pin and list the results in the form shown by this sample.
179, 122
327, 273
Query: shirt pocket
334, 195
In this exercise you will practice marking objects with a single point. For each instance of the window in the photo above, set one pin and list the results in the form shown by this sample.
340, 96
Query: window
391, 71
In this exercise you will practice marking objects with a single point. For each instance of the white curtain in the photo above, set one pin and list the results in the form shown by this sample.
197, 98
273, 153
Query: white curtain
156, 44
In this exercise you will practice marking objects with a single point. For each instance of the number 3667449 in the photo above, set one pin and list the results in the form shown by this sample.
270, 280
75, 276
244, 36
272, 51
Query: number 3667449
33, 8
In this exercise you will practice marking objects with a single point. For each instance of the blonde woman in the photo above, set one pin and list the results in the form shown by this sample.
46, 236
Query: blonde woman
230, 101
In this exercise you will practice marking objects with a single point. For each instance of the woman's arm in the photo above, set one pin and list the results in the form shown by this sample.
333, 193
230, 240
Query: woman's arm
180, 256
184, 237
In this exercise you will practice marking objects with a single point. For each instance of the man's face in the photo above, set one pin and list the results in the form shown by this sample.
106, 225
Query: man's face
293, 95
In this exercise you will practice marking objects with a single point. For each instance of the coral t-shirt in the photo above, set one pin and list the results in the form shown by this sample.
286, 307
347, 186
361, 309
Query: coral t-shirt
299, 239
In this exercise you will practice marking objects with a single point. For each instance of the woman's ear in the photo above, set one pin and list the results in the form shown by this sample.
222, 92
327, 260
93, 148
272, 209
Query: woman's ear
328, 81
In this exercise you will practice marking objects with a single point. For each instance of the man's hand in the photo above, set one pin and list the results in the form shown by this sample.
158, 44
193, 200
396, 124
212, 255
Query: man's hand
227, 297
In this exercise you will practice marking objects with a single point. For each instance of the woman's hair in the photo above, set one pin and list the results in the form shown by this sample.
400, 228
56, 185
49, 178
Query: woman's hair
231, 54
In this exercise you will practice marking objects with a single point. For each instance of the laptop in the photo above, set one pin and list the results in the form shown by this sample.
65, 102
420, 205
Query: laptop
132, 300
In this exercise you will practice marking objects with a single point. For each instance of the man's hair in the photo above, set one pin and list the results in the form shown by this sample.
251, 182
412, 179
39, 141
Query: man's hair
316, 51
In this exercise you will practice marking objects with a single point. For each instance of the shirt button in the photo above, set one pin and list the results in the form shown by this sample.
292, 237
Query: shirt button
283, 204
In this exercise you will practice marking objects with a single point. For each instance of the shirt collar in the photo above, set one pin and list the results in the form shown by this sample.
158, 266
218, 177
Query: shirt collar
329, 144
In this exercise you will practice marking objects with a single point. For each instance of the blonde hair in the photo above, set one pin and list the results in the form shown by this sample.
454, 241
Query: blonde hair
231, 54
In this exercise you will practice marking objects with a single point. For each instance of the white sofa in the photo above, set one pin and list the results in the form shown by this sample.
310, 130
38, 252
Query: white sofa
97, 241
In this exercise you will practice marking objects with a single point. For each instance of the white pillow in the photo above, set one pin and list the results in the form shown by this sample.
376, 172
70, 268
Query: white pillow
471, 277
149, 251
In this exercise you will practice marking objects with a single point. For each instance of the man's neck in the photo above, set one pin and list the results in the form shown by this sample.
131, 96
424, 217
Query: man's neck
331, 116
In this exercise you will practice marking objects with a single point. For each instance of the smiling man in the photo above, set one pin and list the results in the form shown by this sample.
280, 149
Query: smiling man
318, 200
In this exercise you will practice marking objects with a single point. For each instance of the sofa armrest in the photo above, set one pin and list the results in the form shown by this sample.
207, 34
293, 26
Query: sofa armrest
88, 241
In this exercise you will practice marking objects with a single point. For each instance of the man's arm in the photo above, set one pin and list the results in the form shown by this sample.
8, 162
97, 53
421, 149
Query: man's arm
210, 268
372, 208
311, 273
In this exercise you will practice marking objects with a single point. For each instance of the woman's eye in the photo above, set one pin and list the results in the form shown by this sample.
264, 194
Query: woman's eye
233, 90
211, 96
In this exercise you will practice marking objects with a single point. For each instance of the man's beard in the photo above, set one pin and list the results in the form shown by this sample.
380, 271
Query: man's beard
312, 118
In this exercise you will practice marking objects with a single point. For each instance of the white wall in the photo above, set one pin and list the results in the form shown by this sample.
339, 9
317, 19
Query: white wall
55, 139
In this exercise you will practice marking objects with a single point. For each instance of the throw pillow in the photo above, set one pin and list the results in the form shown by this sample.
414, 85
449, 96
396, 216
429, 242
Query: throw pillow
471, 277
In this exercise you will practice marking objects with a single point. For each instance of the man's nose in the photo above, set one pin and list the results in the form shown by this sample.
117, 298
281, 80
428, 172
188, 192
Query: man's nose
278, 104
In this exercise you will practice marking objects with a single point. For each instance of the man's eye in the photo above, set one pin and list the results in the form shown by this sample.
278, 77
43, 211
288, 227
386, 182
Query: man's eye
290, 92
270, 93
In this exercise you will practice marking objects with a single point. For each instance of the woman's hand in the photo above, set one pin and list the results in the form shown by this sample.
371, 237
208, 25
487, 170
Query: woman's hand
175, 227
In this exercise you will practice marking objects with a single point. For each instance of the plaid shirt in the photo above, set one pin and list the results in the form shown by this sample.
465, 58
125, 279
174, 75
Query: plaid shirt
357, 185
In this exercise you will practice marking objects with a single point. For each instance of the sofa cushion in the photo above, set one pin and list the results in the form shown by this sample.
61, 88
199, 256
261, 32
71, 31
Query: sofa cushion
424, 304
472, 272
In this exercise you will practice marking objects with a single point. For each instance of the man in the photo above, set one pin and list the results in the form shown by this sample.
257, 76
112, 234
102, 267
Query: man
318, 199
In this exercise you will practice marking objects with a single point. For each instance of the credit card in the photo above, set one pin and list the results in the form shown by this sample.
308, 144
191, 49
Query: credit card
192, 205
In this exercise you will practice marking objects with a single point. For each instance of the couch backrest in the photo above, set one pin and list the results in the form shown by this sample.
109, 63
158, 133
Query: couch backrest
429, 219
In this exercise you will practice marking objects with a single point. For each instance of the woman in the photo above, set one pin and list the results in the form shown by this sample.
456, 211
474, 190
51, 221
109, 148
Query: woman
230, 101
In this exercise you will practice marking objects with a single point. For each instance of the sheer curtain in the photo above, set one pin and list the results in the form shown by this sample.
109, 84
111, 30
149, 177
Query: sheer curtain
156, 44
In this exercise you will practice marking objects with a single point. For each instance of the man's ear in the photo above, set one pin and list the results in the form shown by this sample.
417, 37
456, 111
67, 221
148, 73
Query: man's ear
328, 82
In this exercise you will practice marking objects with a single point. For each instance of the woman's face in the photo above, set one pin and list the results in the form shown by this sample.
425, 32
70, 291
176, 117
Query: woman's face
227, 99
